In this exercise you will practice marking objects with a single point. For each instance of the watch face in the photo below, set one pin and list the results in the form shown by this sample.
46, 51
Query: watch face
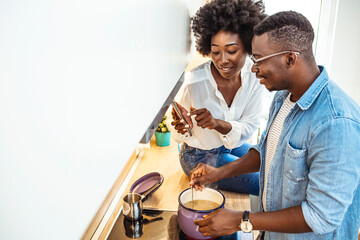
246, 226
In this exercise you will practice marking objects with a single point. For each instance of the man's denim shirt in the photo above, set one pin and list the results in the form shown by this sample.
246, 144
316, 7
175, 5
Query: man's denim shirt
317, 162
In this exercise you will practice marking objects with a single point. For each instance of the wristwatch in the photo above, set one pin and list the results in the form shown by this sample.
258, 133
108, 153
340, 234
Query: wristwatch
245, 224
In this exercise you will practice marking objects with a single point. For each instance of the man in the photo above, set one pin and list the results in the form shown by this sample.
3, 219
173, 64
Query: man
309, 154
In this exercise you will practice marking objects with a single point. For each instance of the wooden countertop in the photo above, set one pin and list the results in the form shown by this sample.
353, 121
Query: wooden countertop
165, 160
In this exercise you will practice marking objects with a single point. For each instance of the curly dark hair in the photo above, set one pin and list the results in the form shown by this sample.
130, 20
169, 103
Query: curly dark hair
236, 16
289, 30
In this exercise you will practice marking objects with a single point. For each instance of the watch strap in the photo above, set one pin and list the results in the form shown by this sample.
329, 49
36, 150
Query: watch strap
246, 216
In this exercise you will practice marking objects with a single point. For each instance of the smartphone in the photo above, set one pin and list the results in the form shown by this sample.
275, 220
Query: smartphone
178, 112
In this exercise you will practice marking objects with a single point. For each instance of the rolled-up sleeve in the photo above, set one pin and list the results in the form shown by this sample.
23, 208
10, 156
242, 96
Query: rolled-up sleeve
257, 146
333, 174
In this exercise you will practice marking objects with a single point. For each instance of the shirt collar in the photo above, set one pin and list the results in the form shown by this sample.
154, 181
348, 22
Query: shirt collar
313, 91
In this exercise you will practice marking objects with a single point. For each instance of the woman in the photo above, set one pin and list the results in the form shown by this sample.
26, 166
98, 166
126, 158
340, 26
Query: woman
221, 99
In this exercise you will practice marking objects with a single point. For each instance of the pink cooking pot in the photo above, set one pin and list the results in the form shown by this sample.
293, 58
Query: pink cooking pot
186, 216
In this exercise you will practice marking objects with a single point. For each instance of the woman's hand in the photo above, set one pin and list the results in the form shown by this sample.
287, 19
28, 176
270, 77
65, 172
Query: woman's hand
181, 125
204, 118
203, 173
222, 222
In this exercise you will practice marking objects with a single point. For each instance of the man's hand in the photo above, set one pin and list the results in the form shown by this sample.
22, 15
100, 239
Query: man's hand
222, 222
203, 173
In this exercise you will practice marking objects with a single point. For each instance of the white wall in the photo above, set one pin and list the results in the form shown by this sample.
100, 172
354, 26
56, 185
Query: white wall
80, 82
303, 7
346, 51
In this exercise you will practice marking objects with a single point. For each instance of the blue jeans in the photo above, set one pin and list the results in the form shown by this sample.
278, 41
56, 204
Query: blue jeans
247, 183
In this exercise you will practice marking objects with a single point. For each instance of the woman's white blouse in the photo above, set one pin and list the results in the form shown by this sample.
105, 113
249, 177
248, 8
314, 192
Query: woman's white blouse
200, 91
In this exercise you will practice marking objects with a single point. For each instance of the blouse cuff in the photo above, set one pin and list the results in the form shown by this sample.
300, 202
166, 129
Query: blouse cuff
231, 139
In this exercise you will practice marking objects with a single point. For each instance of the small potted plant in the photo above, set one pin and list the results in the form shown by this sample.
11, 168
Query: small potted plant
162, 134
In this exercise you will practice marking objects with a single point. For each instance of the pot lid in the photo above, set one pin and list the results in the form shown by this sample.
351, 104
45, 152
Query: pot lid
151, 181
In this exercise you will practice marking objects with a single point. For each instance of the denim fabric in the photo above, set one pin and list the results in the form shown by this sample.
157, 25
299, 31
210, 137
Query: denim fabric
316, 163
190, 157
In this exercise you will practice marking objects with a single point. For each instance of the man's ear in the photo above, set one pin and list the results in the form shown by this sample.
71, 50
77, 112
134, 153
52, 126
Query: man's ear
291, 59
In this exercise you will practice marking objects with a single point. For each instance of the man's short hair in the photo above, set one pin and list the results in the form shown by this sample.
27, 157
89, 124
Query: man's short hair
288, 30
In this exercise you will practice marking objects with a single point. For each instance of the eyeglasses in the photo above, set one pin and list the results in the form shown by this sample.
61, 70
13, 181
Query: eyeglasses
256, 61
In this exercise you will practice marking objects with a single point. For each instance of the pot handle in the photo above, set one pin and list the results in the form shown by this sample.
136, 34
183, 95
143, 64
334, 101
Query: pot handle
146, 194
197, 218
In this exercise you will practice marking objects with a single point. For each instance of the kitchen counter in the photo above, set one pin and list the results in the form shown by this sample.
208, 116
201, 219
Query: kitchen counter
165, 160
